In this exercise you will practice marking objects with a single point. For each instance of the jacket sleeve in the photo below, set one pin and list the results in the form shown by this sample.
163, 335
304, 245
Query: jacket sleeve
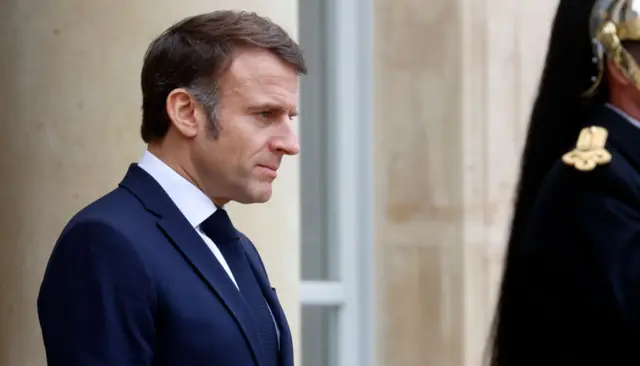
96, 303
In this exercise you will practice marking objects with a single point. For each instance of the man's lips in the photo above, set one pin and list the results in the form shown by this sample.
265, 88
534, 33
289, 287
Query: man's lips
271, 170
270, 167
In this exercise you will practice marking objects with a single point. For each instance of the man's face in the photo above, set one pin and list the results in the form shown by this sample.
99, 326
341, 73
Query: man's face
257, 101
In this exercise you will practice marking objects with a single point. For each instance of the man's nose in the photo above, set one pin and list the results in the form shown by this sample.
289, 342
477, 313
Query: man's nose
287, 143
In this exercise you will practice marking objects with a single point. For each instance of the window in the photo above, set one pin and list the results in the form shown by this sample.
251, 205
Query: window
335, 129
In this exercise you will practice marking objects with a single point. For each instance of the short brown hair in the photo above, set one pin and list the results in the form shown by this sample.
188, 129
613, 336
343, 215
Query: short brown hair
194, 52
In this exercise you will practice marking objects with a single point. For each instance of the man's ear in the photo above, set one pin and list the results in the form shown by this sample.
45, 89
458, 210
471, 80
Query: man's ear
182, 109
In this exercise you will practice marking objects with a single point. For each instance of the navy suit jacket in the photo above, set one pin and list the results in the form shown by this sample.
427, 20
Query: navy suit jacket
130, 282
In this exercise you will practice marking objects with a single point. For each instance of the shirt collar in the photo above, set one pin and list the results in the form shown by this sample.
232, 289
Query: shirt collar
631, 120
189, 199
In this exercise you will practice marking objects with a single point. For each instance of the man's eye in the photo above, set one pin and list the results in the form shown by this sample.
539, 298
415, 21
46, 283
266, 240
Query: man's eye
265, 114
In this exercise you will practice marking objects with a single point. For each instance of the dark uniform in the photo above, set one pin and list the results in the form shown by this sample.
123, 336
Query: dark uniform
570, 293
575, 281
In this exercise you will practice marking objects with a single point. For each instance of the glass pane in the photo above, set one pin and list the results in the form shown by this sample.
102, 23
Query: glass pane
317, 258
319, 335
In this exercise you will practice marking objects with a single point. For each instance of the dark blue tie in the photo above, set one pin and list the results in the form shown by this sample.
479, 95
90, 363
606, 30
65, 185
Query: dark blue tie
219, 228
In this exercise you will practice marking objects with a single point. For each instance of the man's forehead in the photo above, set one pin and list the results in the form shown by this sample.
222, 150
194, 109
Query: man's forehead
260, 66
271, 89
253, 85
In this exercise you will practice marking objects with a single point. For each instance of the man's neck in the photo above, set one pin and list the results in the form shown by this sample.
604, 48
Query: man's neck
172, 161
158, 151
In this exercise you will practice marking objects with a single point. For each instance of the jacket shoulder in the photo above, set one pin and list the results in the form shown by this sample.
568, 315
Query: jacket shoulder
117, 209
596, 165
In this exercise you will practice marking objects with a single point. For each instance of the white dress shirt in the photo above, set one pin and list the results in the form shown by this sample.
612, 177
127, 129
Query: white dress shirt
191, 201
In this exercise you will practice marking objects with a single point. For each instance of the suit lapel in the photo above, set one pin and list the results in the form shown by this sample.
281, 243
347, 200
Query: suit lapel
286, 343
176, 227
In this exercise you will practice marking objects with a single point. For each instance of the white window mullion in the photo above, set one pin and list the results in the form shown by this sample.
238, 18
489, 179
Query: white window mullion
351, 84
344, 84
322, 293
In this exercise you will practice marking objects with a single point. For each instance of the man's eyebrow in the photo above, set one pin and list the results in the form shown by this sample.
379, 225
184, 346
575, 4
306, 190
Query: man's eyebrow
266, 106
270, 106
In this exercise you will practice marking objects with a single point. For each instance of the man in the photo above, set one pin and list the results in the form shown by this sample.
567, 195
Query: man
571, 287
154, 273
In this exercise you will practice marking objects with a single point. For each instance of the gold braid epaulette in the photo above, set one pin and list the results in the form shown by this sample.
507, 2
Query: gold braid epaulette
590, 150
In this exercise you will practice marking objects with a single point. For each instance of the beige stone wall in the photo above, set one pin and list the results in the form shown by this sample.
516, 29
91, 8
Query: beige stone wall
454, 84
70, 105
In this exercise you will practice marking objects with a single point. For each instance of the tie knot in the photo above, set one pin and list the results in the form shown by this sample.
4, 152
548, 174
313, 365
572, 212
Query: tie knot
219, 228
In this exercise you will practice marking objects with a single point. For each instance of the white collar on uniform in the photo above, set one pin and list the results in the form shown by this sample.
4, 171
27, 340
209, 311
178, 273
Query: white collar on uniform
632, 120
191, 201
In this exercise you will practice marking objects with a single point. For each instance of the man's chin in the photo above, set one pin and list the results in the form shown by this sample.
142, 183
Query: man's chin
256, 196
263, 197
